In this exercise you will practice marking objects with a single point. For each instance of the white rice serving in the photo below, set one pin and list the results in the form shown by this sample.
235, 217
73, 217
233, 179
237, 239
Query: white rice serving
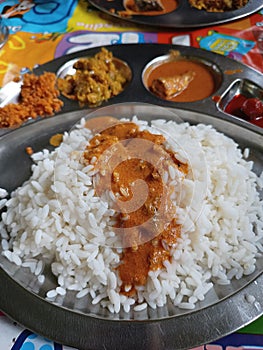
56, 217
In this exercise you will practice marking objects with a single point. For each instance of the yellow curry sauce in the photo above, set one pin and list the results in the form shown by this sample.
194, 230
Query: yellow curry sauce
146, 245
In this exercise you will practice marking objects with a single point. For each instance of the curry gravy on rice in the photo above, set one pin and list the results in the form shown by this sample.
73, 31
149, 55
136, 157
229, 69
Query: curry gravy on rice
145, 249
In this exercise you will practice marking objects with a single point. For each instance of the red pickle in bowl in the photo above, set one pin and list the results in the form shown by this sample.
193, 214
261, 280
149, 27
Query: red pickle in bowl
243, 99
250, 109
253, 108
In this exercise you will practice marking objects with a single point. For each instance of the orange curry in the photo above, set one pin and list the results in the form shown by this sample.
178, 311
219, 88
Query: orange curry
148, 227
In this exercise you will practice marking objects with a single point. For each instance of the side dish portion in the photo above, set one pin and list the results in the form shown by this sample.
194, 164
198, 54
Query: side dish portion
178, 78
95, 79
218, 5
39, 97
148, 7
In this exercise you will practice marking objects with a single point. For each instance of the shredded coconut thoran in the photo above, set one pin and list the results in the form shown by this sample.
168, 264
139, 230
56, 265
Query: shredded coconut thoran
38, 98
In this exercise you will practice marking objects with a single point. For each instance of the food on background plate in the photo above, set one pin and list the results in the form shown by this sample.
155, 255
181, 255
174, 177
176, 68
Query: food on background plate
86, 209
148, 7
38, 98
218, 5
97, 79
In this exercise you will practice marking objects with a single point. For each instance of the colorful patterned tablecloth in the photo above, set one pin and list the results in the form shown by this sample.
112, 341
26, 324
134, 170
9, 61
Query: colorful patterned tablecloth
42, 30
